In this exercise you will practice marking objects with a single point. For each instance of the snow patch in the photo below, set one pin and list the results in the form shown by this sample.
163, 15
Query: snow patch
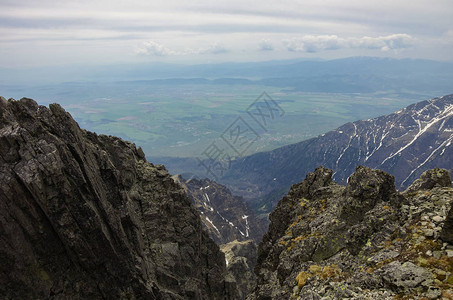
210, 222
422, 129
247, 228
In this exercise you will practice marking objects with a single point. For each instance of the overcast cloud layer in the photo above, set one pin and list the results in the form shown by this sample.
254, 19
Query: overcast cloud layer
51, 32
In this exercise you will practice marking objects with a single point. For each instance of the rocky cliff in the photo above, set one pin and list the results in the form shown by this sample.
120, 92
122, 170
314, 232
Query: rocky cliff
85, 216
225, 217
360, 241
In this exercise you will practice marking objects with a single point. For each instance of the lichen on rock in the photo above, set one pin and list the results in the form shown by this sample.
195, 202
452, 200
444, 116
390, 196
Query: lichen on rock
369, 240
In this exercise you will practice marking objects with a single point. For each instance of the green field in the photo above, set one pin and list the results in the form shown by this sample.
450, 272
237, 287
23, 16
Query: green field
182, 120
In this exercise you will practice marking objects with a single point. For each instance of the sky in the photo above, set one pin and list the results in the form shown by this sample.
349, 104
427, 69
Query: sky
59, 32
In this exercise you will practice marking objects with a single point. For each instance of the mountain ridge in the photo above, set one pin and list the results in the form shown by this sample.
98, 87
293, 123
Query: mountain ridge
405, 143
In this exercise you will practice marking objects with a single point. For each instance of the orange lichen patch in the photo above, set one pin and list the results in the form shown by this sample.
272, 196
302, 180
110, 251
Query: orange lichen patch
428, 245
291, 247
315, 269
299, 218
388, 244
283, 243
303, 202
444, 263
323, 204
302, 237
448, 294
299, 238
302, 278
330, 272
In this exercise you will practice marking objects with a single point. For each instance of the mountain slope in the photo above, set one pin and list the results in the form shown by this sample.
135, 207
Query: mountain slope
405, 143
226, 217
85, 216
360, 241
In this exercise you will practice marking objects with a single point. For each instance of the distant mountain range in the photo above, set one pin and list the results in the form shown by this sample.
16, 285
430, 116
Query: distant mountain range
340, 75
405, 144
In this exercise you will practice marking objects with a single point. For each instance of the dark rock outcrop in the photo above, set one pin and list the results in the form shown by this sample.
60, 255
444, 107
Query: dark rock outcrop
431, 179
85, 216
360, 241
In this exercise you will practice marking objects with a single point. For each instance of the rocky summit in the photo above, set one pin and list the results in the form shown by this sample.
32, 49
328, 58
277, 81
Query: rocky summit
364, 240
85, 216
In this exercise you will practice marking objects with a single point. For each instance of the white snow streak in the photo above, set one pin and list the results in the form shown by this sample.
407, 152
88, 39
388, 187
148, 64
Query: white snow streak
349, 143
446, 113
210, 222
247, 228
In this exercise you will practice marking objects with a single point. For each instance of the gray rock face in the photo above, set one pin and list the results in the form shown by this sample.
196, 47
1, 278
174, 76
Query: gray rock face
241, 260
360, 241
404, 276
365, 189
447, 230
85, 216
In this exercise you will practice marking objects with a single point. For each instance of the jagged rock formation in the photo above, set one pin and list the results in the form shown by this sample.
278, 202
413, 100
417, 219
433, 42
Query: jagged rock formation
405, 144
84, 216
360, 241
232, 225
226, 217
241, 260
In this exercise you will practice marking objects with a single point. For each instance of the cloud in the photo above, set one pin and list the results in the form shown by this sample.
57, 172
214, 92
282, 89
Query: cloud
384, 43
266, 45
152, 48
311, 43
318, 43
212, 49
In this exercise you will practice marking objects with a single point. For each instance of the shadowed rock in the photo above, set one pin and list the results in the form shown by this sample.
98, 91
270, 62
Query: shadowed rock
85, 216
431, 179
